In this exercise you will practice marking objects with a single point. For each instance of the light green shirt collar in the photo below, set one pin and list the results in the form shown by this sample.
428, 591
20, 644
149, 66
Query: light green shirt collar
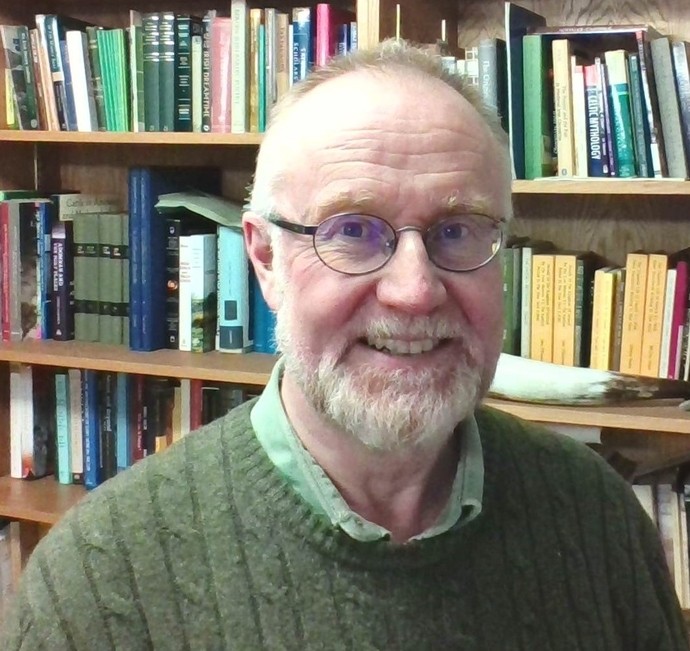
285, 450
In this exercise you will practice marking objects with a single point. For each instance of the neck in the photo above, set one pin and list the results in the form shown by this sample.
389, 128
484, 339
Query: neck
403, 490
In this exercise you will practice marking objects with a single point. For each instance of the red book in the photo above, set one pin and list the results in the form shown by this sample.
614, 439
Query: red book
328, 22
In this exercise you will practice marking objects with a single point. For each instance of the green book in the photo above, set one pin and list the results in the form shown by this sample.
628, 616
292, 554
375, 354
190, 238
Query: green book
150, 56
121, 94
166, 70
96, 75
621, 117
536, 54
86, 278
637, 107
109, 287
104, 54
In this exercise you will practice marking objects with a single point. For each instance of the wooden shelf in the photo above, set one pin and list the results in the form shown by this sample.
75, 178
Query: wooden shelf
603, 186
127, 138
652, 416
250, 368
43, 501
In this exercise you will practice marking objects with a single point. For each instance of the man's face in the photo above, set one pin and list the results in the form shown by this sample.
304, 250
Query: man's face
401, 355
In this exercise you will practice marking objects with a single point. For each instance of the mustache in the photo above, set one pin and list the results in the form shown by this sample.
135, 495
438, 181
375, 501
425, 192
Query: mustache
415, 327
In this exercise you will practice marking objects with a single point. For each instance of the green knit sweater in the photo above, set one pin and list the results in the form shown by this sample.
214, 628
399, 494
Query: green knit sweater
205, 546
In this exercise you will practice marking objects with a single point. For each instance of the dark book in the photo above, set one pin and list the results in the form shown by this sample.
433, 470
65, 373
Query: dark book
206, 89
91, 424
96, 75
643, 155
185, 223
187, 27
517, 22
492, 76
166, 70
151, 60
108, 425
147, 237
597, 149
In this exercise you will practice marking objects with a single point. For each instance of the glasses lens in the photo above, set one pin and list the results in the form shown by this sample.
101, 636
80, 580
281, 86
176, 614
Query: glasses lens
354, 244
464, 242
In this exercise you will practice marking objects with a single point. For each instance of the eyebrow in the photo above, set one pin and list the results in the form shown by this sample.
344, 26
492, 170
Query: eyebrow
366, 201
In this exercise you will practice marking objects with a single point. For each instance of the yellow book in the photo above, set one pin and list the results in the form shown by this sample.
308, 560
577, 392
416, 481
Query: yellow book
602, 318
255, 18
561, 50
541, 344
564, 281
636, 265
655, 295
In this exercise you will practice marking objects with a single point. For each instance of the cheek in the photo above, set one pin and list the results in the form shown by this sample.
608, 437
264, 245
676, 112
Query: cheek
479, 296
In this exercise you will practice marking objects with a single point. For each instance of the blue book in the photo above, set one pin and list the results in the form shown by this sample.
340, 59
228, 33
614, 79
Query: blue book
148, 254
90, 417
301, 43
62, 421
517, 23
234, 309
70, 107
263, 322
44, 227
135, 220
124, 448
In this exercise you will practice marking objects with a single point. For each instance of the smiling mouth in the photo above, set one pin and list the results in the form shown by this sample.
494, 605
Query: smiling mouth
403, 347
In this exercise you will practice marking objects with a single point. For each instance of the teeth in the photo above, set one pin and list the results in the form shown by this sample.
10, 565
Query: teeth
399, 347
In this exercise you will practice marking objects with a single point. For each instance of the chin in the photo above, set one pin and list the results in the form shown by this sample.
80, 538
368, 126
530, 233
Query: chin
393, 410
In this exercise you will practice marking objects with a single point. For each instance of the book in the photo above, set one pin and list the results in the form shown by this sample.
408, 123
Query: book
517, 21
621, 116
654, 298
542, 321
636, 266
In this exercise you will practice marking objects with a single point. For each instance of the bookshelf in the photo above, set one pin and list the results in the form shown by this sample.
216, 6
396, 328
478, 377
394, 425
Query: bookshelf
610, 217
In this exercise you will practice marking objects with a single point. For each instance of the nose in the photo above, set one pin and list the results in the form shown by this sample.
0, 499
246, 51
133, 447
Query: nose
410, 282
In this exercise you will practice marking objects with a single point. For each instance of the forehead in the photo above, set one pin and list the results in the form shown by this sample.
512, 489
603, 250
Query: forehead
380, 142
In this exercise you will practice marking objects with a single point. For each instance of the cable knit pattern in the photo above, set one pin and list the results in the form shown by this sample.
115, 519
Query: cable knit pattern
205, 546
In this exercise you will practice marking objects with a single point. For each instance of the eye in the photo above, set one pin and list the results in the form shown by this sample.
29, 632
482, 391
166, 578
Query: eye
352, 229
454, 230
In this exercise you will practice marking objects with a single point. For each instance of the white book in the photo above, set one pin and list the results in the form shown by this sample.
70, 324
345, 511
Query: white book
185, 294
203, 291
133, 33
579, 118
239, 59
82, 87
645, 495
16, 420
185, 406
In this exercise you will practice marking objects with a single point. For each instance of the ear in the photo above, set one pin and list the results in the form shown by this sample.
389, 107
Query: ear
260, 252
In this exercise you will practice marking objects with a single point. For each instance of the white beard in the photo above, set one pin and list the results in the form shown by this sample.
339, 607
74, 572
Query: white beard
391, 410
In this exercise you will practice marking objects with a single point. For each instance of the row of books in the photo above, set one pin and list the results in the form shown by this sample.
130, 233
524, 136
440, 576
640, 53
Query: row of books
571, 308
589, 101
78, 267
86, 426
666, 499
167, 71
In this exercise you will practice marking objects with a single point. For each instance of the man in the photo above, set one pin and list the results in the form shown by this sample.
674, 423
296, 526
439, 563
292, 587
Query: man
365, 501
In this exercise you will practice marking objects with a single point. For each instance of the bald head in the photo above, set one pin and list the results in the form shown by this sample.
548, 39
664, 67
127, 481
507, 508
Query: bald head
366, 90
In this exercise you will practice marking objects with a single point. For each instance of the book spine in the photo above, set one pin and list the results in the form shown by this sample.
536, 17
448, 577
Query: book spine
538, 140
262, 320
96, 76
221, 35
563, 105
606, 116
151, 64
655, 292
44, 221
172, 271
135, 52
232, 334
56, 71
197, 41
669, 297
62, 422
28, 299
76, 428
203, 292
91, 425
642, 153
255, 17
166, 73
668, 108
682, 76
564, 282
621, 119
541, 346
653, 120
185, 294
123, 311
239, 59
580, 120
183, 74
301, 48
122, 410
636, 265
597, 159
679, 310
206, 89
70, 103
62, 243
135, 256
107, 431
30, 117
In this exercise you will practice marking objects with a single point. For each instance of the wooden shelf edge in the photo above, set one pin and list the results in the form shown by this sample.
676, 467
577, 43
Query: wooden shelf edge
129, 138
246, 368
603, 186
43, 501
653, 416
